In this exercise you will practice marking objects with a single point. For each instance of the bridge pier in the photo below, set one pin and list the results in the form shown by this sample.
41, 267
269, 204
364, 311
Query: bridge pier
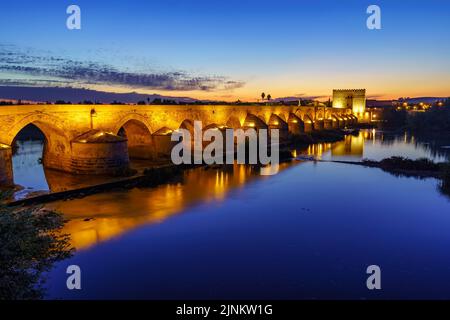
139, 140
340, 122
328, 124
335, 123
295, 125
98, 152
6, 167
309, 125
275, 122
162, 143
141, 151
318, 125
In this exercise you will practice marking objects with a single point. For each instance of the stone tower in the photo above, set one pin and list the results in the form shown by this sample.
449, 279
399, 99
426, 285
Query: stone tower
350, 98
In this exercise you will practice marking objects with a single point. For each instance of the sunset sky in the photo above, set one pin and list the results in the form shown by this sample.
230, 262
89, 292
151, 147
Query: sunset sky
229, 50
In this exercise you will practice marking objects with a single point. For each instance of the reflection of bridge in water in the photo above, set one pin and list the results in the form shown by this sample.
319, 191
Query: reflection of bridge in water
97, 218
350, 146
101, 217
100, 139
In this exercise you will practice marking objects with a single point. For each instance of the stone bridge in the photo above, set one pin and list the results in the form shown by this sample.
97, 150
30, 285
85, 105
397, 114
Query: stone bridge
90, 139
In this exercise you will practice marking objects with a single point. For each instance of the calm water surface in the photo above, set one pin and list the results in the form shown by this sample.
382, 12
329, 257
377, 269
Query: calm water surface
308, 232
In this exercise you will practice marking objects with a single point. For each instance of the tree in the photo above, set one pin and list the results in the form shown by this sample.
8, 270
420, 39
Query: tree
263, 95
269, 97
447, 102
31, 242
329, 104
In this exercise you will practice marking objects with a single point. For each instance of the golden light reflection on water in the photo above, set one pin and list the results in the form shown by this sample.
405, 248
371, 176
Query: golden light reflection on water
101, 217
351, 146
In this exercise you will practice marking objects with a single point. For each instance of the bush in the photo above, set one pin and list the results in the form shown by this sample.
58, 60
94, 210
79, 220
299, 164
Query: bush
394, 118
435, 119
30, 242
422, 164
445, 183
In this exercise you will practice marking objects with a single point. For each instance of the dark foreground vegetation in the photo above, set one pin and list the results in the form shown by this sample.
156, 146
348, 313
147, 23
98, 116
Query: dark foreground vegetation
400, 163
434, 120
416, 168
445, 184
30, 243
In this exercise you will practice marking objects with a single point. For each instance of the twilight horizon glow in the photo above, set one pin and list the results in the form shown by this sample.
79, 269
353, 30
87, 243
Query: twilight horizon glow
229, 51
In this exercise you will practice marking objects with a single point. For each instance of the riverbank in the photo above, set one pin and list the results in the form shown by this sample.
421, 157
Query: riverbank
399, 166
432, 122
31, 242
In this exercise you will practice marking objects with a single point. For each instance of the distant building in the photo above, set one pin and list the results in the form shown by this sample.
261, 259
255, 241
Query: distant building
354, 99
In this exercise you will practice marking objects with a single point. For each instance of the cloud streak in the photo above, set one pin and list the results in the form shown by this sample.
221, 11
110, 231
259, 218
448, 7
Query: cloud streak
71, 72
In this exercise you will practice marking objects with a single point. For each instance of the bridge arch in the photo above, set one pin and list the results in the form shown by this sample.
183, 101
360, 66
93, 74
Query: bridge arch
132, 118
295, 124
57, 147
48, 124
163, 131
187, 124
283, 116
139, 138
253, 121
276, 122
299, 114
320, 115
212, 126
308, 122
233, 122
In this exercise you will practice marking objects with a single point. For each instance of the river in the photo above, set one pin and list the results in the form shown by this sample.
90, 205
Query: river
308, 232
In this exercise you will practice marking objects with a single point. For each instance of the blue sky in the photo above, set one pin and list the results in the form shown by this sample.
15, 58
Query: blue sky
235, 49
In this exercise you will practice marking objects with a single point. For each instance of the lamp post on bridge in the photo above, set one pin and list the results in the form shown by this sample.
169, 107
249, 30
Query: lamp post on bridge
93, 114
